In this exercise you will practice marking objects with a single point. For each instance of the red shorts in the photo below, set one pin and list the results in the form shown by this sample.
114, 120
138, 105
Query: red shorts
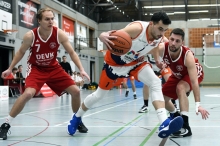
169, 88
56, 78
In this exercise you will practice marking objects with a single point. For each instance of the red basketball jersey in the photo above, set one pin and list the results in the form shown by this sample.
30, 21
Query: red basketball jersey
177, 66
44, 52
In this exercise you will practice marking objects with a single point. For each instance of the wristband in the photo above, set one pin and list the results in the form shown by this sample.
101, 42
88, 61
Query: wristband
197, 106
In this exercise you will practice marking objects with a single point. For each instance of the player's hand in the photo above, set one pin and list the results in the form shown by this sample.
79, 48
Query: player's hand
84, 74
203, 111
105, 38
6, 73
160, 64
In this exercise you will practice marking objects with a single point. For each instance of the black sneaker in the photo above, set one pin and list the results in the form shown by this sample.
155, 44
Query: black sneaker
126, 93
144, 109
4, 130
82, 128
184, 132
135, 96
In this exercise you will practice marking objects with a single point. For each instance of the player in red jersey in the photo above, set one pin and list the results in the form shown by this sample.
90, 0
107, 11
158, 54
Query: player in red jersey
187, 74
43, 43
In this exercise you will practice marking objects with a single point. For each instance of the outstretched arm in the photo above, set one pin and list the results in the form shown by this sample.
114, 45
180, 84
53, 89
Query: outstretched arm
63, 39
27, 41
192, 70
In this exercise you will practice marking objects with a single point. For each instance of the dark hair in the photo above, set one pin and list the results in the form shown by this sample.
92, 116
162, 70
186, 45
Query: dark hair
19, 66
178, 31
161, 15
15, 68
40, 11
63, 56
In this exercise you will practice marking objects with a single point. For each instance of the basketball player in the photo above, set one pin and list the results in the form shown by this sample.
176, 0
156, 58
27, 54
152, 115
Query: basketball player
145, 36
187, 73
132, 86
43, 67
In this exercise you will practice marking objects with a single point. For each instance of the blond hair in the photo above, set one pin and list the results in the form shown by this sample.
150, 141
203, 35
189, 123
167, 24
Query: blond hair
41, 10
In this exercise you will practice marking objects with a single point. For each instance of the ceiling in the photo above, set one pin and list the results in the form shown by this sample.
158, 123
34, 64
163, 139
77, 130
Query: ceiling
185, 10
103, 11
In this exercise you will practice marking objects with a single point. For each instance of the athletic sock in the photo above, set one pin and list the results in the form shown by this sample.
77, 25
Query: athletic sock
161, 114
146, 102
80, 112
9, 119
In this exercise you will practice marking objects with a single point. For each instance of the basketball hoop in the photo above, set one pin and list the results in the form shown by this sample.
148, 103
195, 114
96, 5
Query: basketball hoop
6, 31
12, 32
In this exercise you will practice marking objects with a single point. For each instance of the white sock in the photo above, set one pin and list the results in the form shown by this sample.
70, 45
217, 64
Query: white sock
161, 114
173, 111
127, 89
9, 119
134, 92
80, 112
184, 113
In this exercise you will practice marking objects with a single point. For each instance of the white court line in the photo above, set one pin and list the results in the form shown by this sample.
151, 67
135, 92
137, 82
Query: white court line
39, 111
102, 110
114, 126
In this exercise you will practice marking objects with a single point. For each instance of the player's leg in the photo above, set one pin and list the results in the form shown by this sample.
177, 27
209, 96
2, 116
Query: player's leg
125, 85
181, 89
59, 82
33, 84
133, 87
168, 125
105, 84
144, 108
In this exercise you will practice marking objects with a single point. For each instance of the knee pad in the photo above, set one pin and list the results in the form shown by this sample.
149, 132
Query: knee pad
156, 90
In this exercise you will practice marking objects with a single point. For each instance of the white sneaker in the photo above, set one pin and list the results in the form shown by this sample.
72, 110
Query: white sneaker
144, 109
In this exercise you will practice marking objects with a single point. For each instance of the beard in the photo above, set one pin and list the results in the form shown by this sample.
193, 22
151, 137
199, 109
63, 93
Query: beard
175, 50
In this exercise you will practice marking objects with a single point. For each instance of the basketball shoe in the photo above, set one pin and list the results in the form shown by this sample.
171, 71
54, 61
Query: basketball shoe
170, 126
126, 93
73, 125
144, 109
4, 130
185, 131
82, 128
135, 96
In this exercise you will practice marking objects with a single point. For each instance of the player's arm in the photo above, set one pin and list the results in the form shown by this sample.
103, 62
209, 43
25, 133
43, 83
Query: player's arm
157, 53
27, 41
63, 39
133, 30
192, 71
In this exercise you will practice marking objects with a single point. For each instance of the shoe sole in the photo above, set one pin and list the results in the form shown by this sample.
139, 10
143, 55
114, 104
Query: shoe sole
175, 125
179, 136
143, 111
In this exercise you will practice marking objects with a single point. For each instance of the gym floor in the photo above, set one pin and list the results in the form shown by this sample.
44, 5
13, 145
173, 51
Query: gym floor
113, 121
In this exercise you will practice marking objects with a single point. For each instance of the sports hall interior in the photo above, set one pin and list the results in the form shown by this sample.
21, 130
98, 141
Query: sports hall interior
115, 119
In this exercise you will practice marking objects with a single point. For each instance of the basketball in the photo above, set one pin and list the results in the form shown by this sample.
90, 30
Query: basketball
122, 43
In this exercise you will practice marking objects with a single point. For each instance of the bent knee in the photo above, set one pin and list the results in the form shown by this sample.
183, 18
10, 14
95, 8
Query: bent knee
28, 94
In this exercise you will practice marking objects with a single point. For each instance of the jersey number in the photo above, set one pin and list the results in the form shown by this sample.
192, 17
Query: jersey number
38, 47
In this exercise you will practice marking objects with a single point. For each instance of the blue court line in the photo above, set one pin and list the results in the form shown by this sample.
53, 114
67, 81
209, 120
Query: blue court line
123, 132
